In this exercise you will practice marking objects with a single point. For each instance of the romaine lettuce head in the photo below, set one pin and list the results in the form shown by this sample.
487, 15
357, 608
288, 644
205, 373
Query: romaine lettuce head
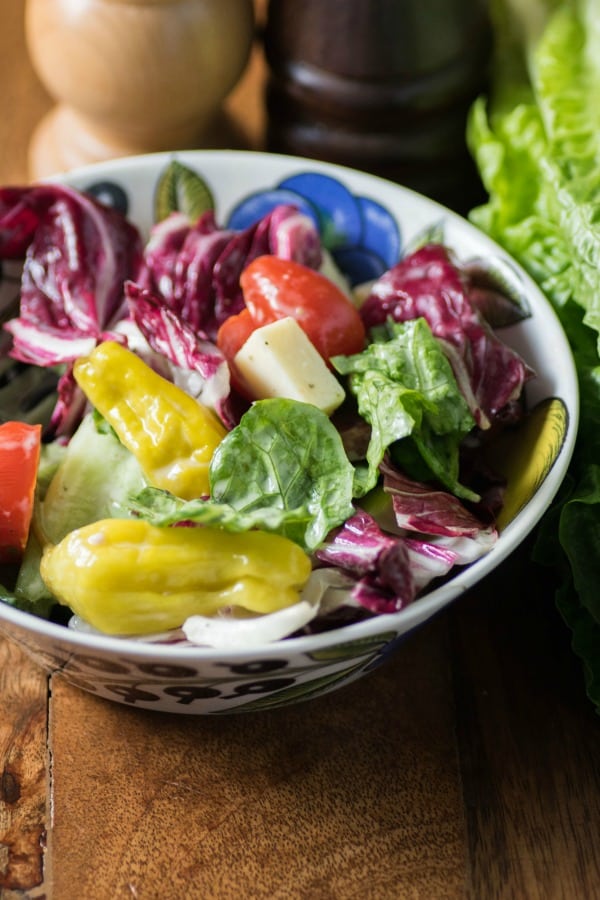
536, 141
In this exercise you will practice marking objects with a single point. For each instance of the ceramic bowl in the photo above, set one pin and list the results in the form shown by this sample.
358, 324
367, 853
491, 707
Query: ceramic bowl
370, 222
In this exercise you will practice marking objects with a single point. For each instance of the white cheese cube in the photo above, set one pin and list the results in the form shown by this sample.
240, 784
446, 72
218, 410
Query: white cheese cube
279, 360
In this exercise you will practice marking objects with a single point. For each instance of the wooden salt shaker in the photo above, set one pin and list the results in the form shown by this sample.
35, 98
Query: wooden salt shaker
132, 76
380, 85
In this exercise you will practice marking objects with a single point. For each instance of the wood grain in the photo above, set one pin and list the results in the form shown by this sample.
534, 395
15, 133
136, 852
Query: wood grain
23, 766
132, 78
23, 100
529, 742
355, 794
23, 685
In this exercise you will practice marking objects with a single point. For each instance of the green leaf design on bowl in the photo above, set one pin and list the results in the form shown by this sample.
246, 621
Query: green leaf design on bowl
180, 189
304, 690
432, 234
526, 455
353, 649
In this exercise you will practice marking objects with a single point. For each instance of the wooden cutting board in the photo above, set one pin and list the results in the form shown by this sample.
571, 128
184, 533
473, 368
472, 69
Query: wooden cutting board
353, 794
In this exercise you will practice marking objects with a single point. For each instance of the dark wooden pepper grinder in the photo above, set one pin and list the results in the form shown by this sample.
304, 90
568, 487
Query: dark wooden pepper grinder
380, 85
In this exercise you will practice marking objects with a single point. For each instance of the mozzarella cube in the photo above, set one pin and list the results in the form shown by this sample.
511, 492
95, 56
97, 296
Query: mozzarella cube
279, 360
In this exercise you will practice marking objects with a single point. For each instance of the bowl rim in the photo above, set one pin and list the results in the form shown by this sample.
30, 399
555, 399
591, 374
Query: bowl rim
420, 610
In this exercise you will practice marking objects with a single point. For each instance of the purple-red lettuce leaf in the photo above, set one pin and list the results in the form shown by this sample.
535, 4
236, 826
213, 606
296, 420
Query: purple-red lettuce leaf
427, 283
21, 210
179, 260
196, 267
390, 571
41, 344
495, 292
197, 365
76, 260
293, 235
69, 408
427, 510
240, 250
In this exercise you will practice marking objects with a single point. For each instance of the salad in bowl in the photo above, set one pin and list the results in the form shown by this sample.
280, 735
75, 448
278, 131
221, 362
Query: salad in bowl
260, 418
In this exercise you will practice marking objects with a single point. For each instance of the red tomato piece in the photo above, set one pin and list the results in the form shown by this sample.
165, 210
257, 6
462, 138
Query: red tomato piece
234, 332
274, 288
20, 446
231, 336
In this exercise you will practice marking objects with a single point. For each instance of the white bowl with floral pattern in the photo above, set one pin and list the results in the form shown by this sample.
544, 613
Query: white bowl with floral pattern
369, 223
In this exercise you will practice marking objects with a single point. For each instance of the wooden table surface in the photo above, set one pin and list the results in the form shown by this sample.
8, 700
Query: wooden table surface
468, 766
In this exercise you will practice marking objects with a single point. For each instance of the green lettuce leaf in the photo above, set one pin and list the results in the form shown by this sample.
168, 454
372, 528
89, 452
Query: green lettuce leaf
282, 469
94, 480
407, 392
161, 508
536, 142
286, 455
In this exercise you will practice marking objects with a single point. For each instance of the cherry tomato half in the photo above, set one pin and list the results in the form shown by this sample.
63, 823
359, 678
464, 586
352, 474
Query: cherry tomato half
274, 288
231, 337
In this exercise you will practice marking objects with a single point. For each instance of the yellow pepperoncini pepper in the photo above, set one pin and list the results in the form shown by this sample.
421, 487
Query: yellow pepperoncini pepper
126, 576
172, 436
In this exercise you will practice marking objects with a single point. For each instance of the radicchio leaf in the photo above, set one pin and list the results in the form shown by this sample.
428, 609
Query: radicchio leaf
69, 408
178, 266
426, 509
21, 210
195, 268
78, 253
496, 291
428, 283
170, 337
390, 571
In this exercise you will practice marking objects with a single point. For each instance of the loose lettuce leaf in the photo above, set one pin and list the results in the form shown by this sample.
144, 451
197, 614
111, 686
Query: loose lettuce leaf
429, 284
287, 455
39, 605
585, 639
162, 508
94, 480
579, 533
31, 593
407, 391
536, 141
